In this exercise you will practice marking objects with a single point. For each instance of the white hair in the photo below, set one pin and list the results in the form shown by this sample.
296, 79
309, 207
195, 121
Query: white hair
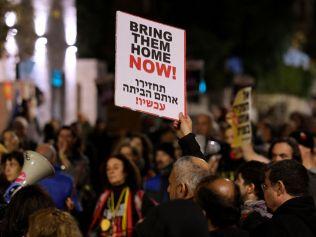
188, 172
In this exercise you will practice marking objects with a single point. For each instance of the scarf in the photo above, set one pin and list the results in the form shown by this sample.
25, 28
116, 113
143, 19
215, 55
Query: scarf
120, 226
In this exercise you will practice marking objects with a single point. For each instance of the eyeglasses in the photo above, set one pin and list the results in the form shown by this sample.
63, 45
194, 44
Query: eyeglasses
264, 187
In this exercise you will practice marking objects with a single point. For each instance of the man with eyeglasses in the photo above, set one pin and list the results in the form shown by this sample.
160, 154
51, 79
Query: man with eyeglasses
299, 146
286, 194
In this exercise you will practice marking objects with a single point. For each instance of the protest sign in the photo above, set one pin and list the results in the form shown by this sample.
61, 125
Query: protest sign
239, 118
150, 66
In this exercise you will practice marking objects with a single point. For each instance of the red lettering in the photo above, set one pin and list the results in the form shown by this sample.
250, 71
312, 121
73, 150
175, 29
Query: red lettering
132, 62
147, 62
163, 69
150, 67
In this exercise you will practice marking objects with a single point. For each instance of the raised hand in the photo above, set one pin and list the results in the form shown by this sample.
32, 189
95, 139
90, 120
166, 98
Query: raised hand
182, 127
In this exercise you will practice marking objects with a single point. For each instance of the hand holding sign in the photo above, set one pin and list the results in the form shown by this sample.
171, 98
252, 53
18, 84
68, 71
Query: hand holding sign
184, 126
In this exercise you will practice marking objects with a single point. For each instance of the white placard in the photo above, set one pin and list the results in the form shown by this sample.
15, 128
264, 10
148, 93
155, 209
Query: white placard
150, 66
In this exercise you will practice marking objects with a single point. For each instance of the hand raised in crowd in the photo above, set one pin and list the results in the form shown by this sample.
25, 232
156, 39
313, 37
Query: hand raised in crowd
63, 146
70, 204
250, 154
182, 127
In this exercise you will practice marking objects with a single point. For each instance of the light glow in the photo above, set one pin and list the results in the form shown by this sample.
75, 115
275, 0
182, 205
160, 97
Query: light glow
70, 25
11, 45
41, 11
71, 83
10, 19
40, 23
40, 44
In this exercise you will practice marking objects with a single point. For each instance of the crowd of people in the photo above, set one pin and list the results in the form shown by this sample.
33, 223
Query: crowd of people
181, 179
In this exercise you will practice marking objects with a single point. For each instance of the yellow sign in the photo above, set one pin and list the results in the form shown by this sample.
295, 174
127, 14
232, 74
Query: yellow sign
239, 117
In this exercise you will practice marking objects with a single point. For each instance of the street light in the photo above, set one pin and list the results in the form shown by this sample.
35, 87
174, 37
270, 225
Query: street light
10, 19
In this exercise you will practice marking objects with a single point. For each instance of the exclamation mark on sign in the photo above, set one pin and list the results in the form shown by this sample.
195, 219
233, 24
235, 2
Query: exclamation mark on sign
174, 71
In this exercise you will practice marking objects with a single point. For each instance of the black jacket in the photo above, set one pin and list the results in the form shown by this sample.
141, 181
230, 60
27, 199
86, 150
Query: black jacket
229, 232
190, 147
296, 217
177, 218
312, 184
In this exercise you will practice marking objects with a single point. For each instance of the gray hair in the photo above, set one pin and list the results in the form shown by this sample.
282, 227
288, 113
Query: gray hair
188, 172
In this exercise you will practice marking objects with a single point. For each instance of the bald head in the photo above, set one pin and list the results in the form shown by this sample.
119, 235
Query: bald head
225, 188
219, 197
187, 172
47, 151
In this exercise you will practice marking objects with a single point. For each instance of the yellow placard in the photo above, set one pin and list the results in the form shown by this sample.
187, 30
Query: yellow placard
239, 117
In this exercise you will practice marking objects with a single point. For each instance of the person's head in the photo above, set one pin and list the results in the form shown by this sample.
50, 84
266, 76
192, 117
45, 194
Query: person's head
100, 125
66, 135
48, 151
144, 147
25, 202
20, 126
10, 140
119, 171
77, 128
249, 178
13, 164
203, 124
284, 180
284, 149
127, 150
186, 173
305, 142
167, 135
165, 155
297, 121
220, 199
49, 133
141, 143
52, 222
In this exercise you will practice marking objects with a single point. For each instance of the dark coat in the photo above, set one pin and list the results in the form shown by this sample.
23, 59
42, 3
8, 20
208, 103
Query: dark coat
296, 217
190, 147
177, 218
312, 184
229, 232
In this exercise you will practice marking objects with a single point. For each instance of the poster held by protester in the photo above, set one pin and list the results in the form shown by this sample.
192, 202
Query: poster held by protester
239, 117
150, 67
